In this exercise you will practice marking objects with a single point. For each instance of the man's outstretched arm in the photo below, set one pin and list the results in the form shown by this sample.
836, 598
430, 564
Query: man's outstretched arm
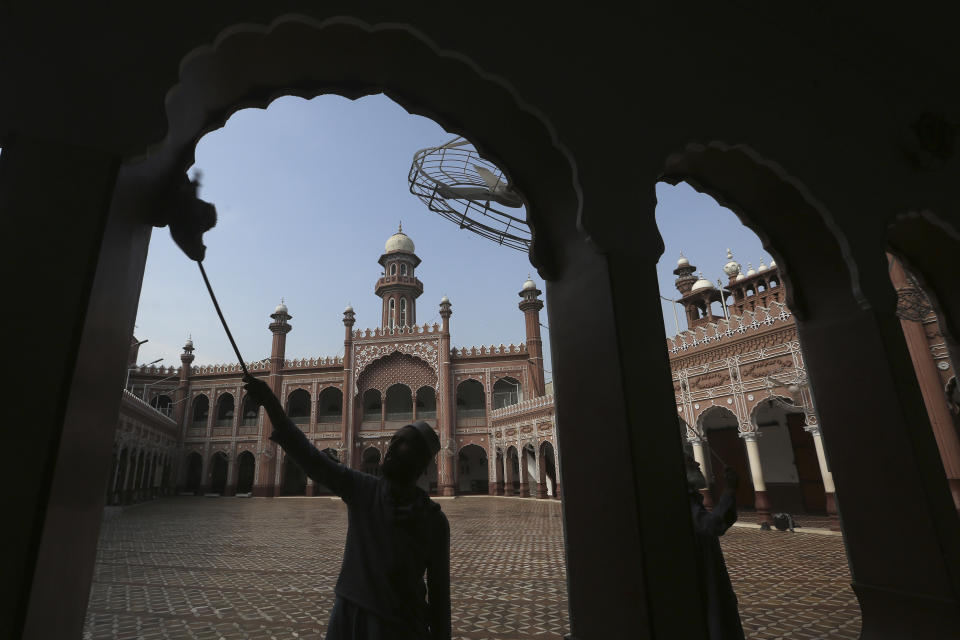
316, 464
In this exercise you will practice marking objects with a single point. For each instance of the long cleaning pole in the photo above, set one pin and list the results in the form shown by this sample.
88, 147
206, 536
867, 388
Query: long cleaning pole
216, 306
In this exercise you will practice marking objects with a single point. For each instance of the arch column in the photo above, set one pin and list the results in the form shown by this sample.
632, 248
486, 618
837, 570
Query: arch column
701, 459
444, 394
760, 500
522, 468
543, 491
231, 488
825, 475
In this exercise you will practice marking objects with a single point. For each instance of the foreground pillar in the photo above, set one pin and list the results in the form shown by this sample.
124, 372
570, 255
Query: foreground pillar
627, 525
85, 266
446, 458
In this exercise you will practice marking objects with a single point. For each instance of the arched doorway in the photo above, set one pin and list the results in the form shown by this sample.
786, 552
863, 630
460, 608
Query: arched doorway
512, 483
724, 448
548, 470
791, 471
194, 472
506, 391
372, 415
246, 468
294, 478
218, 473
472, 474
426, 404
370, 461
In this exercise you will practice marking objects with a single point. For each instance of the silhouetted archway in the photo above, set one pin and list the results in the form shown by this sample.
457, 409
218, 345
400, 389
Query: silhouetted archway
246, 468
218, 473
194, 472
472, 476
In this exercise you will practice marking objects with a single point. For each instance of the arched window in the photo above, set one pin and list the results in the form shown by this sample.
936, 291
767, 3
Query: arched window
250, 411
298, 406
329, 406
403, 269
403, 312
506, 391
201, 408
393, 269
225, 410
392, 313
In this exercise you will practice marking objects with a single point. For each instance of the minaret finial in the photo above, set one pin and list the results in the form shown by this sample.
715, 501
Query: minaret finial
400, 227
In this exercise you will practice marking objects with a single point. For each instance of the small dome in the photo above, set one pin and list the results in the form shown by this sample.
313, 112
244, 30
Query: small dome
732, 268
750, 271
281, 308
701, 284
399, 242
762, 267
444, 300
773, 263
529, 285
188, 344
740, 277
349, 309
683, 262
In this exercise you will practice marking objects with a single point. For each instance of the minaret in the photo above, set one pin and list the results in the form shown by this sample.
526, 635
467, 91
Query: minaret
183, 389
684, 273
280, 327
349, 403
397, 286
531, 306
445, 394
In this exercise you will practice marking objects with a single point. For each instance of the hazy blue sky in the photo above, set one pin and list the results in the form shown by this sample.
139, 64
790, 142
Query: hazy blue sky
307, 193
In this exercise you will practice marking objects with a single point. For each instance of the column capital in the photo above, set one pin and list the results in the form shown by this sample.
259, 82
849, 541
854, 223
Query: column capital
813, 429
749, 436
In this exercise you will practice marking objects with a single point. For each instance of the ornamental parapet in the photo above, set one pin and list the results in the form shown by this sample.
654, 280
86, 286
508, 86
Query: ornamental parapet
487, 351
383, 332
531, 405
730, 329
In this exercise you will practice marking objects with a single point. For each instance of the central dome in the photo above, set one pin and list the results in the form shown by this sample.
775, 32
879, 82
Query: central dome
399, 242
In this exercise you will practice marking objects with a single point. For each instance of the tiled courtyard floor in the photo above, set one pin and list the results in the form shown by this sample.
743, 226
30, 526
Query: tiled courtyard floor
256, 568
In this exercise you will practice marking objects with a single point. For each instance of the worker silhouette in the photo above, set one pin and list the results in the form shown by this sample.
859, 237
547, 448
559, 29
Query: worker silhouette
395, 534
723, 618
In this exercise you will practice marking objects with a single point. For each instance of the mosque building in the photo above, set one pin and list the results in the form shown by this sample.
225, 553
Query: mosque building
490, 405
743, 398
738, 373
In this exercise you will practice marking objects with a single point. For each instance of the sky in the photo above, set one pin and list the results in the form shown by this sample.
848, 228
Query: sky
307, 193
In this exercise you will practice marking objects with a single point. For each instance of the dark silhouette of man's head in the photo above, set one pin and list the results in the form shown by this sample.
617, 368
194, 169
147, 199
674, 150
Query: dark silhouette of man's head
410, 451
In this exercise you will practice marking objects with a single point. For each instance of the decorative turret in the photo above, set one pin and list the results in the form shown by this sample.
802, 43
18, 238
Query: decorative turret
187, 356
397, 286
732, 267
684, 273
531, 305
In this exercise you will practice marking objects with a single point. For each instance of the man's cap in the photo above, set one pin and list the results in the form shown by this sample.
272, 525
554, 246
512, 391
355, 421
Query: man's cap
429, 436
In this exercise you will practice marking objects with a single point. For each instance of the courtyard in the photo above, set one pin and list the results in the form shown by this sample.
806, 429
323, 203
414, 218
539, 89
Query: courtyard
230, 568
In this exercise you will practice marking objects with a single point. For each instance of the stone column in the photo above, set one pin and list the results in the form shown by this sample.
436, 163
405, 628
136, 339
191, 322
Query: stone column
931, 387
825, 474
446, 486
231, 488
524, 474
760, 500
698, 455
542, 490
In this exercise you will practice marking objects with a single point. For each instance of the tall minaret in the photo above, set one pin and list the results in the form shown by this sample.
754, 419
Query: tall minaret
531, 306
349, 390
445, 394
183, 389
398, 287
280, 327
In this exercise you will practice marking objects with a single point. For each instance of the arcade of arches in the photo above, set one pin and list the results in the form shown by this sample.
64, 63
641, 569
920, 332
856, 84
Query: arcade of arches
837, 145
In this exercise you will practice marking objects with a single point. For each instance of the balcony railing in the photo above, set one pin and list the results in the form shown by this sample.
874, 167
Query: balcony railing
329, 417
223, 422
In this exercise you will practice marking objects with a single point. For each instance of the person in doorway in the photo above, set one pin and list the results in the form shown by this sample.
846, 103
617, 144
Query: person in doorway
723, 617
395, 534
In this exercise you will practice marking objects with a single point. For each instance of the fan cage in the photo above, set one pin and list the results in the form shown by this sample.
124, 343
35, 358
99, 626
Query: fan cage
436, 169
